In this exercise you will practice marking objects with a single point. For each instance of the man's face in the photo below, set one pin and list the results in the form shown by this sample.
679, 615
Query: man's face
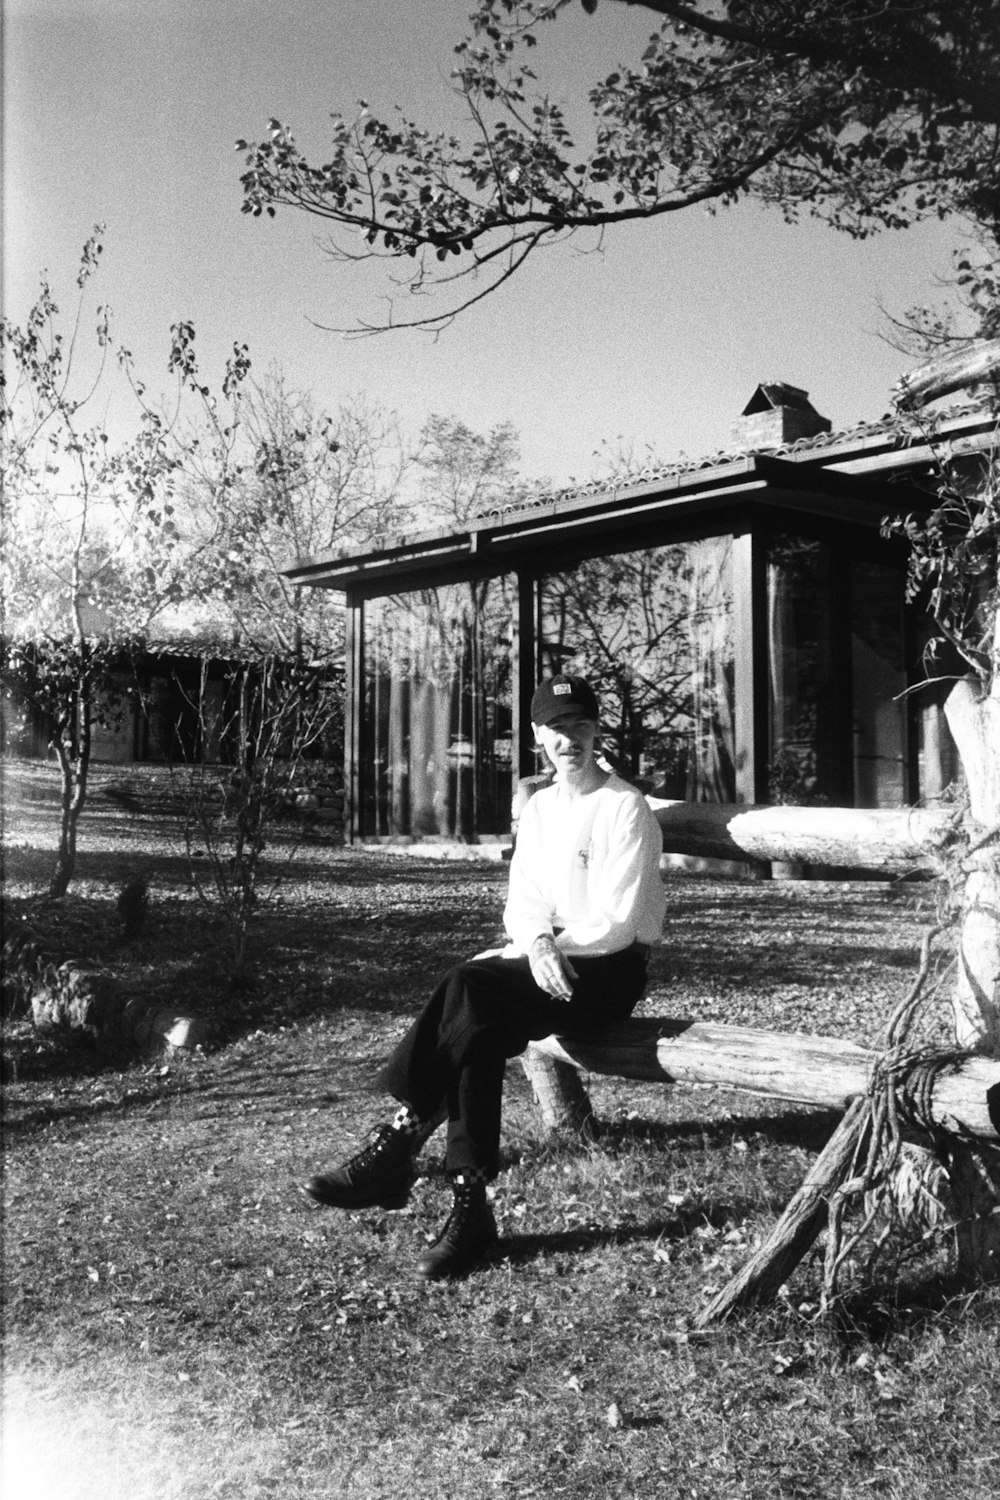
568, 740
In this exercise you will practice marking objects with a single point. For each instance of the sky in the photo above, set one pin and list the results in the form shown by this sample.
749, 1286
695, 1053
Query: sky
127, 112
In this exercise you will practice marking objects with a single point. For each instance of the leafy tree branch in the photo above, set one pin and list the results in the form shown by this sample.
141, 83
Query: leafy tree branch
866, 115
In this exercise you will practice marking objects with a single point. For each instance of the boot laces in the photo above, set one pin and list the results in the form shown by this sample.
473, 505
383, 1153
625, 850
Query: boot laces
380, 1146
463, 1208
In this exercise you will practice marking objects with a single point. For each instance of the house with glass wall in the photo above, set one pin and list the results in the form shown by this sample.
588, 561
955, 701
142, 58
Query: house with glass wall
743, 618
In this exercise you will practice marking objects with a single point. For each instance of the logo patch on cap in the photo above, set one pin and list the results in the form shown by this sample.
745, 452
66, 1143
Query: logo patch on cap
562, 689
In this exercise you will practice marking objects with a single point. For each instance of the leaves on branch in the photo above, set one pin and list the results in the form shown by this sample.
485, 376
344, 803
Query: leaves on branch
868, 118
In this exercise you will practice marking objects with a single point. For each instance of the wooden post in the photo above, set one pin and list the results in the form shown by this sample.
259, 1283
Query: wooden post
525, 671
559, 1093
802, 1221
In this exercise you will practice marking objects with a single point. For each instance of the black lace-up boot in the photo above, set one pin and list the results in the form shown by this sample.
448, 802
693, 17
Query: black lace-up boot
468, 1234
379, 1176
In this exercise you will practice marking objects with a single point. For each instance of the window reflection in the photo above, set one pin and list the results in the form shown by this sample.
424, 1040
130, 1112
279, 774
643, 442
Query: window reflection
879, 686
653, 631
796, 670
439, 711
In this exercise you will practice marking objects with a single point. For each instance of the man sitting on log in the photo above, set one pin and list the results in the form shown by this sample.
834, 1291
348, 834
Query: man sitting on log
584, 905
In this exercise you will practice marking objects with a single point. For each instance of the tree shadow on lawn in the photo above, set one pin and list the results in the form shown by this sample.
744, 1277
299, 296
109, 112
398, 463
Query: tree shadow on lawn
266, 1089
807, 1127
170, 867
26, 1122
34, 867
880, 1313
806, 965
793, 902
307, 968
517, 1249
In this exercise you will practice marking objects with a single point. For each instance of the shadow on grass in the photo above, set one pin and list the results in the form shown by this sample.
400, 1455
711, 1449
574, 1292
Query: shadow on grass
64, 1057
875, 1314
809, 1128
520, 1248
305, 860
807, 966
267, 1085
27, 1122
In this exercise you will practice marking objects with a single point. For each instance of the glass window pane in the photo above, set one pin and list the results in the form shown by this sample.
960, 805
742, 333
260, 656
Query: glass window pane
797, 670
878, 673
438, 711
653, 631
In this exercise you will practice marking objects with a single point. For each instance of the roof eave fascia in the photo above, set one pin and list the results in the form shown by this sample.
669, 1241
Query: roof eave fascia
426, 549
833, 475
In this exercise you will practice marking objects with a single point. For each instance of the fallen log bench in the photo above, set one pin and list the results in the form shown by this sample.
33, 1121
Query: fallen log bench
957, 1096
828, 1072
885, 841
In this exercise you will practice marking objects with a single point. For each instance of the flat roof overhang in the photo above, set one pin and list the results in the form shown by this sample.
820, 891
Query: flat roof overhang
694, 500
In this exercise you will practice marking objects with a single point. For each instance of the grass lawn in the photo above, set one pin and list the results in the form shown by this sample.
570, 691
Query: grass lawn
181, 1321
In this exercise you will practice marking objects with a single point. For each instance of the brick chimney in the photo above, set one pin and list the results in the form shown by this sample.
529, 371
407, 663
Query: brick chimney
776, 414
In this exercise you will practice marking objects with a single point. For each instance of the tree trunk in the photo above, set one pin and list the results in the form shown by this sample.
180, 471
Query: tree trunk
802, 1221
974, 720
72, 744
974, 1169
964, 1106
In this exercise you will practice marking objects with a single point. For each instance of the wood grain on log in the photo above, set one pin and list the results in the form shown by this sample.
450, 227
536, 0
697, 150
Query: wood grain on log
824, 1071
888, 840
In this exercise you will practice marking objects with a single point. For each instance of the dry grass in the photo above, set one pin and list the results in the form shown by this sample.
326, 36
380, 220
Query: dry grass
181, 1321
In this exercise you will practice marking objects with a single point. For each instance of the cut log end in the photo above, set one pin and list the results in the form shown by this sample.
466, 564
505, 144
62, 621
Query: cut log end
560, 1094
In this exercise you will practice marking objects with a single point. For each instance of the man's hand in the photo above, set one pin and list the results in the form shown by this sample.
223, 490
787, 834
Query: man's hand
550, 969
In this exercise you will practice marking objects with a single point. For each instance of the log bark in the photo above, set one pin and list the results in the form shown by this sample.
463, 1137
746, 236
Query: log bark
973, 1168
559, 1093
883, 840
802, 1221
823, 1071
974, 720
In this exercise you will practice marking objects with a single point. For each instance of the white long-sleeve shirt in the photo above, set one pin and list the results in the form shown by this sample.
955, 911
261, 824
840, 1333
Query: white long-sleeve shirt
588, 869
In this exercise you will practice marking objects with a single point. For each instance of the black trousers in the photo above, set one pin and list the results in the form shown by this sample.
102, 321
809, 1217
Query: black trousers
484, 1012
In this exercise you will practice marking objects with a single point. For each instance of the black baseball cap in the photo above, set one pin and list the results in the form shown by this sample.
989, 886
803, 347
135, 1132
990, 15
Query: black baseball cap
557, 694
